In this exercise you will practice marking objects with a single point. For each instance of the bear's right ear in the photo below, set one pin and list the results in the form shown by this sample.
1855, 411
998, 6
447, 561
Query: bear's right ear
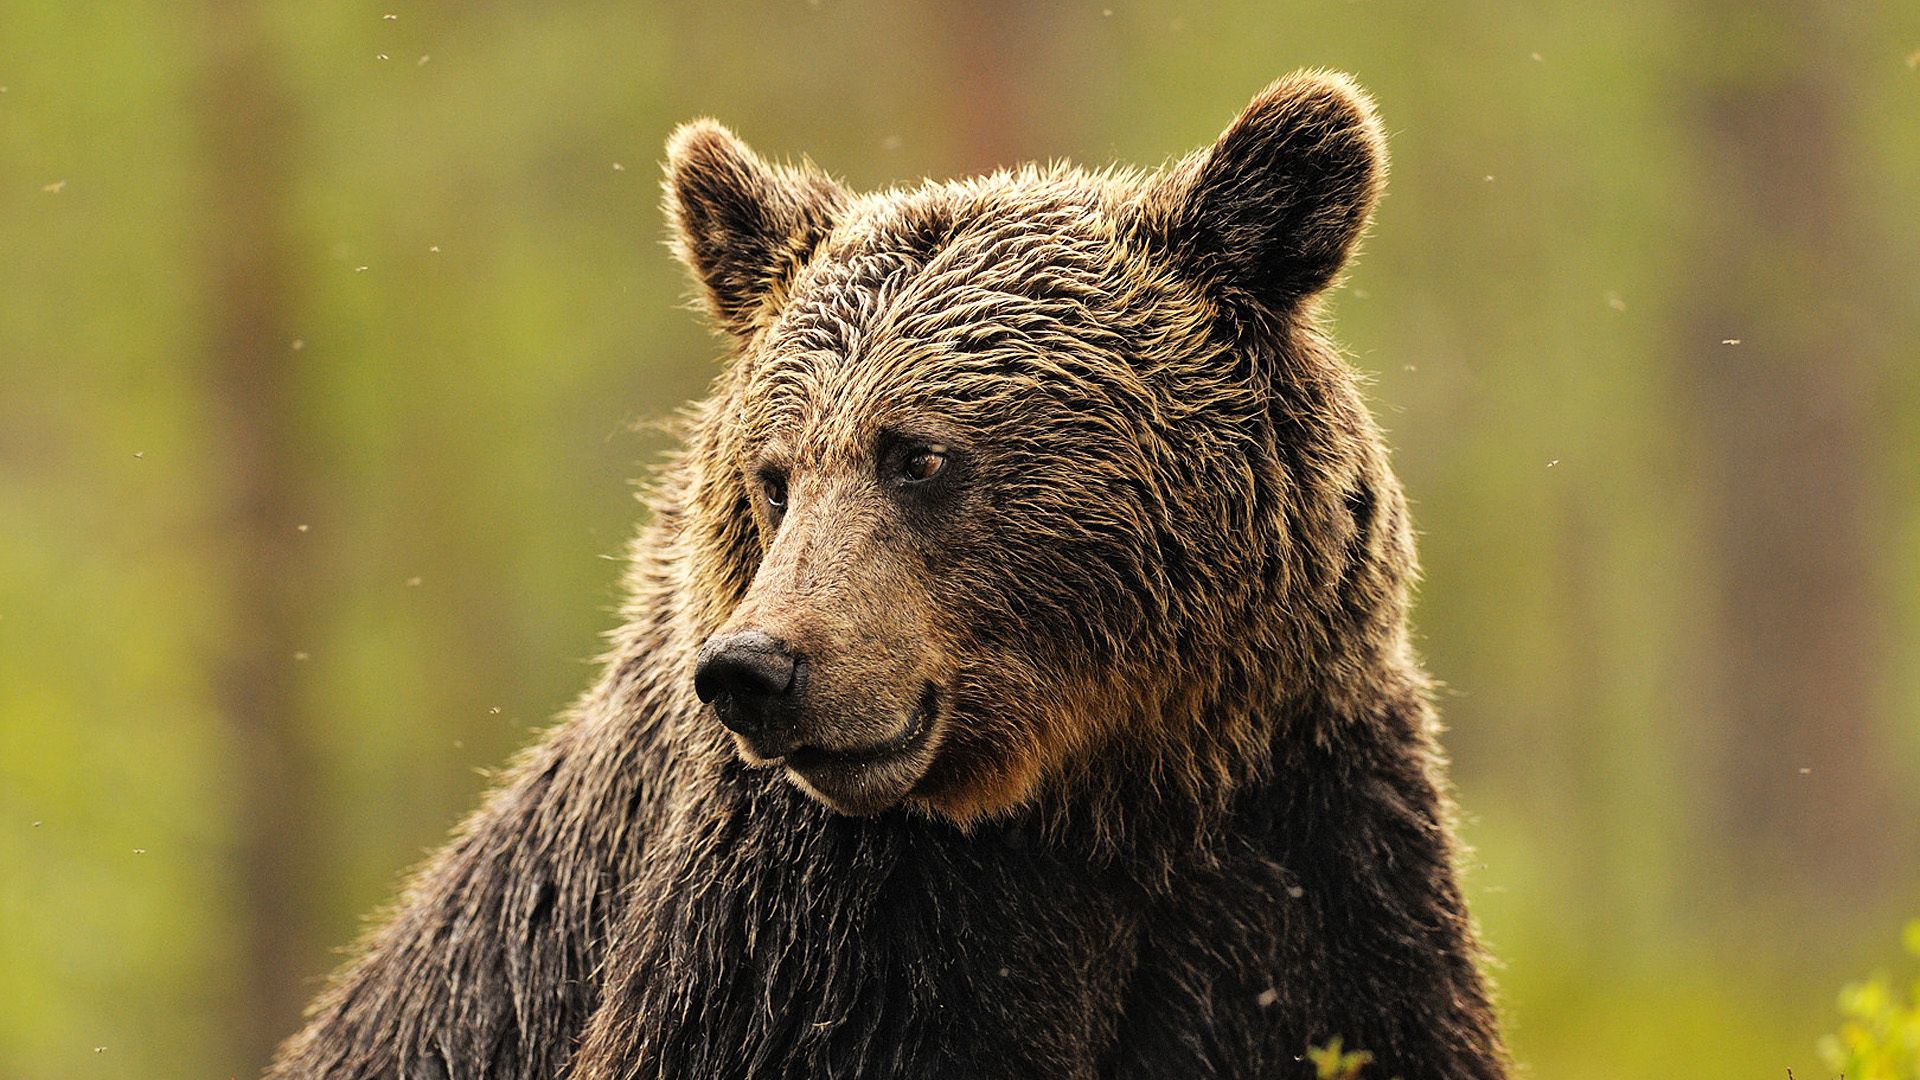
742, 226
1267, 215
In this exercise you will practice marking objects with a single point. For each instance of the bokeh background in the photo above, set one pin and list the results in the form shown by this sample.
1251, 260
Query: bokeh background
332, 335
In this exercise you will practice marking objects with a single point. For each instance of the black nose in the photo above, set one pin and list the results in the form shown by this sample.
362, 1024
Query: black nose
745, 677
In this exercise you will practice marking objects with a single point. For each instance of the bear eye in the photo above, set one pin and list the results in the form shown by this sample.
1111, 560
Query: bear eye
923, 463
773, 488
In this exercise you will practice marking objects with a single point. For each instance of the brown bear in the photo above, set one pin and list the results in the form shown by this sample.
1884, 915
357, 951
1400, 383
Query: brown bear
1016, 677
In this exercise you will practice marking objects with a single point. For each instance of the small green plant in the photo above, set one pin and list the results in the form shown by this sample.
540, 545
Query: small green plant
1880, 1037
1331, 1062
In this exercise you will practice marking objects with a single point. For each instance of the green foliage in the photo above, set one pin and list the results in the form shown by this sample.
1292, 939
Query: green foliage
1880, 1039
1332, 1062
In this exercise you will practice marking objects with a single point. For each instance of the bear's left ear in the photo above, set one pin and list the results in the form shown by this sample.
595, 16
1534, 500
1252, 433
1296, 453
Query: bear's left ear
741, 226
1268, 214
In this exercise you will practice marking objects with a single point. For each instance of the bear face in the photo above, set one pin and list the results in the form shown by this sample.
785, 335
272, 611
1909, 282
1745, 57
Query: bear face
1001, 467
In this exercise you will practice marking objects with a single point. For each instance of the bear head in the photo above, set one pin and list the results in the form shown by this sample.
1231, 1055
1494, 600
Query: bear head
1009, 475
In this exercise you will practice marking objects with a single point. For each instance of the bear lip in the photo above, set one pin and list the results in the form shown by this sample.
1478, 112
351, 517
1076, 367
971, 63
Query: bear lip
919, 724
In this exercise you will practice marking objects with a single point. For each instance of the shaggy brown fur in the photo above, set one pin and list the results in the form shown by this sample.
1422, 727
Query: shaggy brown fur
1098, 749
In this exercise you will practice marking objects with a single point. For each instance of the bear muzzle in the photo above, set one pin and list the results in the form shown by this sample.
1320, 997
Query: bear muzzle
857, 760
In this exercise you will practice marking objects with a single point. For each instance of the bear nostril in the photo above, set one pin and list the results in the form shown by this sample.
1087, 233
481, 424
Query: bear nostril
742, 673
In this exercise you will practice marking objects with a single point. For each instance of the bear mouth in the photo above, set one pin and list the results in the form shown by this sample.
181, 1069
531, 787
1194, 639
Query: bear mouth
869, 779
919, 725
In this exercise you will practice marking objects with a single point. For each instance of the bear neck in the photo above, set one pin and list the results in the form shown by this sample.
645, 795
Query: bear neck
1264, 747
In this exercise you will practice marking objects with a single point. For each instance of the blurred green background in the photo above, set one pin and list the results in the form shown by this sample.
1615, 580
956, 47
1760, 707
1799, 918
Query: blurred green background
331, 336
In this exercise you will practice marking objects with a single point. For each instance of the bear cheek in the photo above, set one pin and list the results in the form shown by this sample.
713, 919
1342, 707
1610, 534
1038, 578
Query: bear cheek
1012, 726
978, 773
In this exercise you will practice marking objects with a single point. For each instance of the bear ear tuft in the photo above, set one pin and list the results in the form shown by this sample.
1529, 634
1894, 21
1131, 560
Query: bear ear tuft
1267, 215
743, 227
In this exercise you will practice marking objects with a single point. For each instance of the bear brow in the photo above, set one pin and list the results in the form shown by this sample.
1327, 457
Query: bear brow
934, 267
850, 289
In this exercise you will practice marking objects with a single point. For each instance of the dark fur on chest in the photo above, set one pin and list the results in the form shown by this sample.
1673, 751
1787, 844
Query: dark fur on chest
804, 944
759, 935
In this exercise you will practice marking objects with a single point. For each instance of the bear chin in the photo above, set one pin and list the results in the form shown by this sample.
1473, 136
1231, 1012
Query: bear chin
859, 788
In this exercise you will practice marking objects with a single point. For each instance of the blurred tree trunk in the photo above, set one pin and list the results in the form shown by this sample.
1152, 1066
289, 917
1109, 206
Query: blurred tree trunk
1780, 349
247, 123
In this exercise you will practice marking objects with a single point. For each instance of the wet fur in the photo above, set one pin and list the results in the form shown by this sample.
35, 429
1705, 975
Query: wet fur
1188, 818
